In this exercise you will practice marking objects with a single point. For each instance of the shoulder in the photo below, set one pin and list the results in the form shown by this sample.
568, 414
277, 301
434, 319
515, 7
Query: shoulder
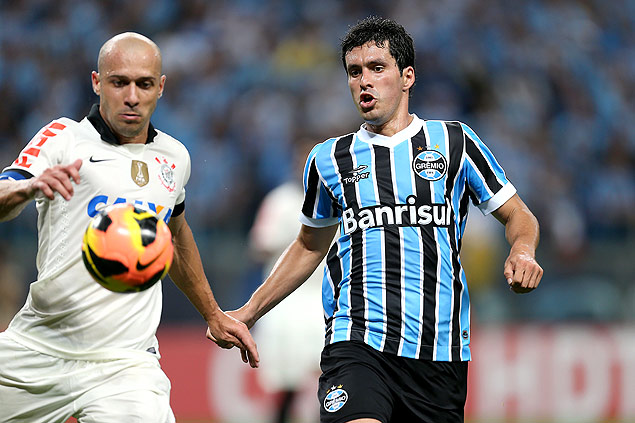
59, 127
168, 141
445, 123
162, 137
326, 148
58, 132
459, 128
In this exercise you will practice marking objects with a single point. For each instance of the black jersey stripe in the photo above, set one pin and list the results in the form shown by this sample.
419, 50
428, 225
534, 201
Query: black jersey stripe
344, 161
430, 259
455, 144
455, 153
334, 269
482, 164
311, 196
392, 250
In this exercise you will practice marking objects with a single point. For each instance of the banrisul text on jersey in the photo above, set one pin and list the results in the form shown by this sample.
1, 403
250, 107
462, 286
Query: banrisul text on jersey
400, 215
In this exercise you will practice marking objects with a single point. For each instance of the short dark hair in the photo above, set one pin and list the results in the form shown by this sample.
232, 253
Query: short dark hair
379, 30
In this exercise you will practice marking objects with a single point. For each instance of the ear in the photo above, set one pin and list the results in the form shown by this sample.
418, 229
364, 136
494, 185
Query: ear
408, 78
161, 85
94, 76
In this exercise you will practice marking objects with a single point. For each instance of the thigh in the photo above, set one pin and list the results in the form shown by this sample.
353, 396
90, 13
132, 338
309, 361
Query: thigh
129, 390
431, 391
134, 407
351, 385
33, 386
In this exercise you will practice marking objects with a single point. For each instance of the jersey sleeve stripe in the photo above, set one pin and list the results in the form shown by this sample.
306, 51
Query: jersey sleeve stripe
311, 187
498, 199
318, 223
485, 164
15, 175
179, 208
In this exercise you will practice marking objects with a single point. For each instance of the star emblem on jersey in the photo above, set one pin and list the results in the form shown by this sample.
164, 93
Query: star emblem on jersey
335, 399
166, 173
139, 173
430, 165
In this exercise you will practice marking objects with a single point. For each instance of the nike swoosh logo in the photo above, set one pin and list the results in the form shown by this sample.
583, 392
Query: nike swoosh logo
140, 266
98, 160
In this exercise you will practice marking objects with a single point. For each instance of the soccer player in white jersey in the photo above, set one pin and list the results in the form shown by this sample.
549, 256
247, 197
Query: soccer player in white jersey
394, 292
75, 348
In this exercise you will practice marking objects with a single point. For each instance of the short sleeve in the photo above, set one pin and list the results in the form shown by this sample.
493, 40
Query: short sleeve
186, 177
318, 209
46, 149
485, 177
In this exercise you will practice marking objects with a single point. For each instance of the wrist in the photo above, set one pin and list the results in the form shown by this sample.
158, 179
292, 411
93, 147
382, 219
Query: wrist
248, 313
28, 189
523, 248
213, 314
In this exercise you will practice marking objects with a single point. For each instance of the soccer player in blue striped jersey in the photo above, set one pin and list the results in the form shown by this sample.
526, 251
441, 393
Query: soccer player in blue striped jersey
394, 293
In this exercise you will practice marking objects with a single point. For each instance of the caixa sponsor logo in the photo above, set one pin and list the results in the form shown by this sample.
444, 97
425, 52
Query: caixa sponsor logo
98, 202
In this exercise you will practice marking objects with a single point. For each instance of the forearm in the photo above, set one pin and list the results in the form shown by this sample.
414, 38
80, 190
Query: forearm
188, 275
292, 269
522, 230
14, 196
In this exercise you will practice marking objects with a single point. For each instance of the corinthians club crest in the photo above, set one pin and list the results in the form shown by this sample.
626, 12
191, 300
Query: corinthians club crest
139, 173
166, 173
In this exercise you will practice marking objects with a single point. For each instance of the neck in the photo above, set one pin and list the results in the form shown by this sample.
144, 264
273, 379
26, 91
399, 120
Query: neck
137, 139
392, 126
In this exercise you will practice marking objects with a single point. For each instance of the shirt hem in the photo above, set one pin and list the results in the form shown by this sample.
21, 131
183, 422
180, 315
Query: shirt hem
98, 355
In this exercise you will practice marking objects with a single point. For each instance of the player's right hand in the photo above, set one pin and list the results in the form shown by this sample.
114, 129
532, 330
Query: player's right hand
227, 332
522, 271
58, 178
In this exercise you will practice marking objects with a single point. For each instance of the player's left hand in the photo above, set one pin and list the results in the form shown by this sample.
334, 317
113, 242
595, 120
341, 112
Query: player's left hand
228, 332
522, 271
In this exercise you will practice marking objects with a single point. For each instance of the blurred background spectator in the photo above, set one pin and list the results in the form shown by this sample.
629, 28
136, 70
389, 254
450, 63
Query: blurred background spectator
548, 84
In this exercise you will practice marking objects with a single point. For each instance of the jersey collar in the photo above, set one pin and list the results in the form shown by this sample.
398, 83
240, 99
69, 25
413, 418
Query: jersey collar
408, 132
106, 134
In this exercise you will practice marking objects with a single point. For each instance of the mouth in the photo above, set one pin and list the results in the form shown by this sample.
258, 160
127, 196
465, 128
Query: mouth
366, 100
130, 116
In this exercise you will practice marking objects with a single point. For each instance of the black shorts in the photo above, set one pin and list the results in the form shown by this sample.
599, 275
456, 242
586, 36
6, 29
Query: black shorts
360, 382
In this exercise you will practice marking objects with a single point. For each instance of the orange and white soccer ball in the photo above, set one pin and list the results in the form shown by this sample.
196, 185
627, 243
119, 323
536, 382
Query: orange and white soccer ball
127, 249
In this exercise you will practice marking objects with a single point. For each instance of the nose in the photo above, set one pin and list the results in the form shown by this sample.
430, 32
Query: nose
365, 79
131, 98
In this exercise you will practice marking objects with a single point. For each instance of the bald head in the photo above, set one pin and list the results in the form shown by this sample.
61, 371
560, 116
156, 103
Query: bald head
129, 44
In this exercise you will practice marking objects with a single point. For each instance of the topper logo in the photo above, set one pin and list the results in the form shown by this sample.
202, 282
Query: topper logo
356, 174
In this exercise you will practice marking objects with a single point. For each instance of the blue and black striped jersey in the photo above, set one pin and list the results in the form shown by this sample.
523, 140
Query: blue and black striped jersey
394, 279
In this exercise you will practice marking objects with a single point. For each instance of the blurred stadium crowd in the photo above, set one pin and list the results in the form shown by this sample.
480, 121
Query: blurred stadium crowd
548, 84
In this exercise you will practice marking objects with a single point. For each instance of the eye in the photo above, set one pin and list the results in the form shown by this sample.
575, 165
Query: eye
354, 73
145, 84
378, 68
117, 83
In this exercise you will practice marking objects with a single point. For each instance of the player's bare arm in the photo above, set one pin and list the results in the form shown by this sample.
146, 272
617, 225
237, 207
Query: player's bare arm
522, 271
188, 274
291, 270
15, 195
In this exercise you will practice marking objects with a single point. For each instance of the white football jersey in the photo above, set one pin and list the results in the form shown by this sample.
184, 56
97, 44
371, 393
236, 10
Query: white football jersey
67, 314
